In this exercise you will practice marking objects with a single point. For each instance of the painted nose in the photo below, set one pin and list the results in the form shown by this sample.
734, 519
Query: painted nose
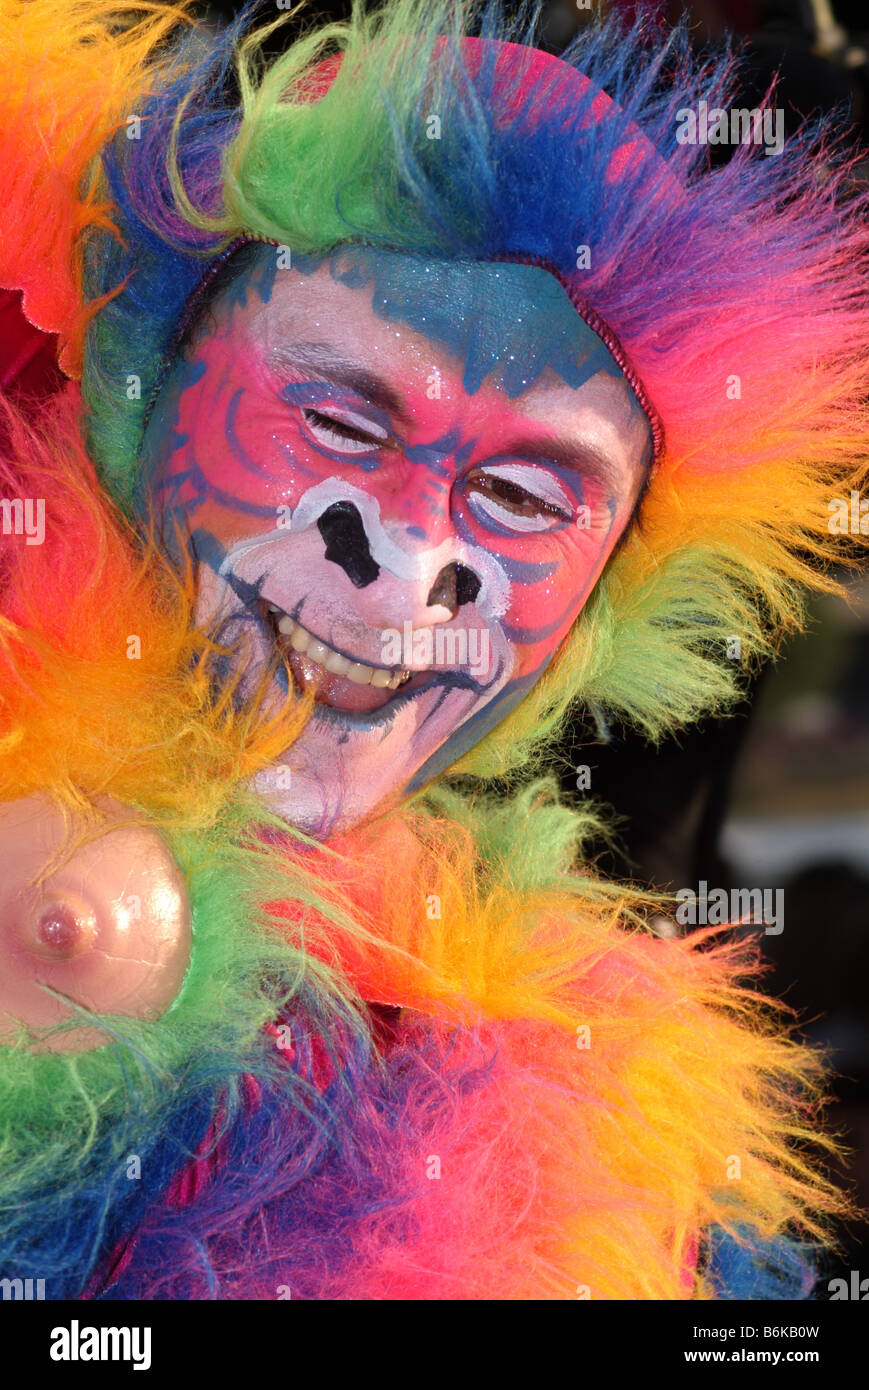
455, 585
347, 545
343, 530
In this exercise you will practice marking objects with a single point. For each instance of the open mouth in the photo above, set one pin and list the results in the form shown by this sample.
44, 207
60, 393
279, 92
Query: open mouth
336, 679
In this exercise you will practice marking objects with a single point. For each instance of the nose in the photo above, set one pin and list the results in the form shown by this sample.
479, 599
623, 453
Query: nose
347, 544
454, 586
343, 530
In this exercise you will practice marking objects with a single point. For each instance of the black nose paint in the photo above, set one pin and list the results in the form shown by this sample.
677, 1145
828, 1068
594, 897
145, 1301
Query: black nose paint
343, 530
455, 585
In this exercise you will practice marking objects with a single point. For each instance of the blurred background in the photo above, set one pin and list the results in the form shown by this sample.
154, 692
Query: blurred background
777, 796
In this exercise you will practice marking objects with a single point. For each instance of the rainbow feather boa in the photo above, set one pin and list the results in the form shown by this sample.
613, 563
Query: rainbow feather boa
428, 1061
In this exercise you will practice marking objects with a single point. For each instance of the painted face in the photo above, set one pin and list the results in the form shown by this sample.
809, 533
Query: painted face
406, 476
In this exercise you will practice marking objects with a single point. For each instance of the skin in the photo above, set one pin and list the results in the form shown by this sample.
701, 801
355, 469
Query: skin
375, 439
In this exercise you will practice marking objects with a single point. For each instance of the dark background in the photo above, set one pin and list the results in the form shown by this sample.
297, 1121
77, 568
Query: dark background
777, 796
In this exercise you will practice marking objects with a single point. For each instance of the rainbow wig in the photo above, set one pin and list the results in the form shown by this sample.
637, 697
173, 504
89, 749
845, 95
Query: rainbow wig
528, 1095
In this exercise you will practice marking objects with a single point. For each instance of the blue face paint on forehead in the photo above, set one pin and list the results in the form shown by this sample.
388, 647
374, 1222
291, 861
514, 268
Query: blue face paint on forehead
482, 312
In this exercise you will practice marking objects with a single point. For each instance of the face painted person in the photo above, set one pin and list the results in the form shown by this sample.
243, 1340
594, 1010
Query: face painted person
448, 445
428, 385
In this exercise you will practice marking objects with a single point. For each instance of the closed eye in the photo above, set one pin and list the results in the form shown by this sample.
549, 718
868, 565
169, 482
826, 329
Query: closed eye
343, 433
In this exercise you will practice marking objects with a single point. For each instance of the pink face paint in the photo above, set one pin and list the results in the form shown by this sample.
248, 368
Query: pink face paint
108, 929
414, 532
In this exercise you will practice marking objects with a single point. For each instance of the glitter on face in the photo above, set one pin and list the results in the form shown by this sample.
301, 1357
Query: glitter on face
477, 444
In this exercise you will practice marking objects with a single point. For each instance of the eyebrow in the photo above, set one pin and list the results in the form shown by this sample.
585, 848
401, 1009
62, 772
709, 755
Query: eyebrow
342, 371
572, 455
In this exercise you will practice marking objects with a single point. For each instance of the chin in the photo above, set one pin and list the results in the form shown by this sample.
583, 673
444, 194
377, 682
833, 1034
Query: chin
346, 768
335, 776
362, 748
317, 806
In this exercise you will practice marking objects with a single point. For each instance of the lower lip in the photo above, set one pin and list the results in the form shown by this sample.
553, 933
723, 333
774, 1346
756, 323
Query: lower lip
379, 718
335, 691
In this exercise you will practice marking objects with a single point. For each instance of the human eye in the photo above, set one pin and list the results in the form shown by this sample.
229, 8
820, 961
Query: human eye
523, 498
344, 432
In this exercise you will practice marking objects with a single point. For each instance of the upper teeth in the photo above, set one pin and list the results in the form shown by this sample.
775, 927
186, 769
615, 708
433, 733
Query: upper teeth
315, 650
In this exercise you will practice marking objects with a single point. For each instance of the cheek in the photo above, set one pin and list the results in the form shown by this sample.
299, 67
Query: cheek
236, 446
550, 574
